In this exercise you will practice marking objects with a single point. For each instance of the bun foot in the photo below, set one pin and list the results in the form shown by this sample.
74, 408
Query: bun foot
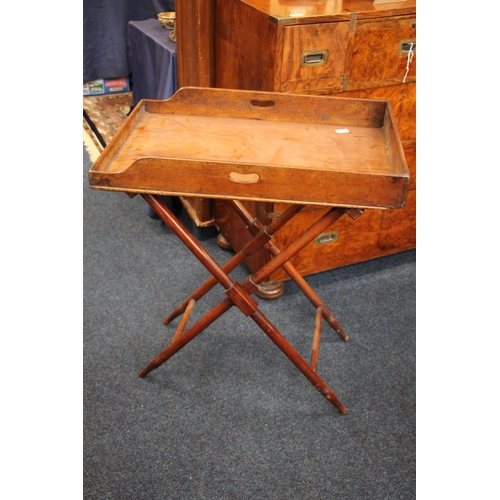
223, 243
270, 290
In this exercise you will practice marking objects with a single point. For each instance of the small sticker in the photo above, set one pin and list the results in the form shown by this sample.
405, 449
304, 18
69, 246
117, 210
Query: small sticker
342, 131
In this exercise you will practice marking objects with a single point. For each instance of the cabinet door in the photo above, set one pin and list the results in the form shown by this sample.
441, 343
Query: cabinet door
314, 57
381, 52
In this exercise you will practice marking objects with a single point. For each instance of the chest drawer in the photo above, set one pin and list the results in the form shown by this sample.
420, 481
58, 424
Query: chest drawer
313, 57
380, 52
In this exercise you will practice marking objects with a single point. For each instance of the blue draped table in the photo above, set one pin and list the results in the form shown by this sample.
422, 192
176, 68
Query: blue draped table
153, 60
105, 53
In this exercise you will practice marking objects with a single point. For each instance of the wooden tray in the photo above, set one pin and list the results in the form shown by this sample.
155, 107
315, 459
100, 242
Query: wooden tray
261, 146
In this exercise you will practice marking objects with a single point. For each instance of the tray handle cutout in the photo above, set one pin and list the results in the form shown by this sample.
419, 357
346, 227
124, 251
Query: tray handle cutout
244, 178
257, 103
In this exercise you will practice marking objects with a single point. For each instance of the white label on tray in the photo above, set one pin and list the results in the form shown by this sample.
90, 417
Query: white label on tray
342, 131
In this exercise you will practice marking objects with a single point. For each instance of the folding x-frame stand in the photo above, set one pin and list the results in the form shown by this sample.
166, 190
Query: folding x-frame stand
239, 293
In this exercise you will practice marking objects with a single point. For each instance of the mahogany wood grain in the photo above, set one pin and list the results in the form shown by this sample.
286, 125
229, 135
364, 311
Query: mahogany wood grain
215, 137
248, 61
194, 29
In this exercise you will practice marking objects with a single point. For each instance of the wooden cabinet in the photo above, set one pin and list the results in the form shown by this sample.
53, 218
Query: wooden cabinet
350, 48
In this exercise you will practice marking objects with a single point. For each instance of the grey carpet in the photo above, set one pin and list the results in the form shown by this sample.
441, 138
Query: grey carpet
229, 417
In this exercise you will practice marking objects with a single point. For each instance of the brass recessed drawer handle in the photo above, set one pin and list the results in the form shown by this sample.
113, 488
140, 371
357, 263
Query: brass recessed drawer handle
244, 178
313, 58
326, 238
405, 46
